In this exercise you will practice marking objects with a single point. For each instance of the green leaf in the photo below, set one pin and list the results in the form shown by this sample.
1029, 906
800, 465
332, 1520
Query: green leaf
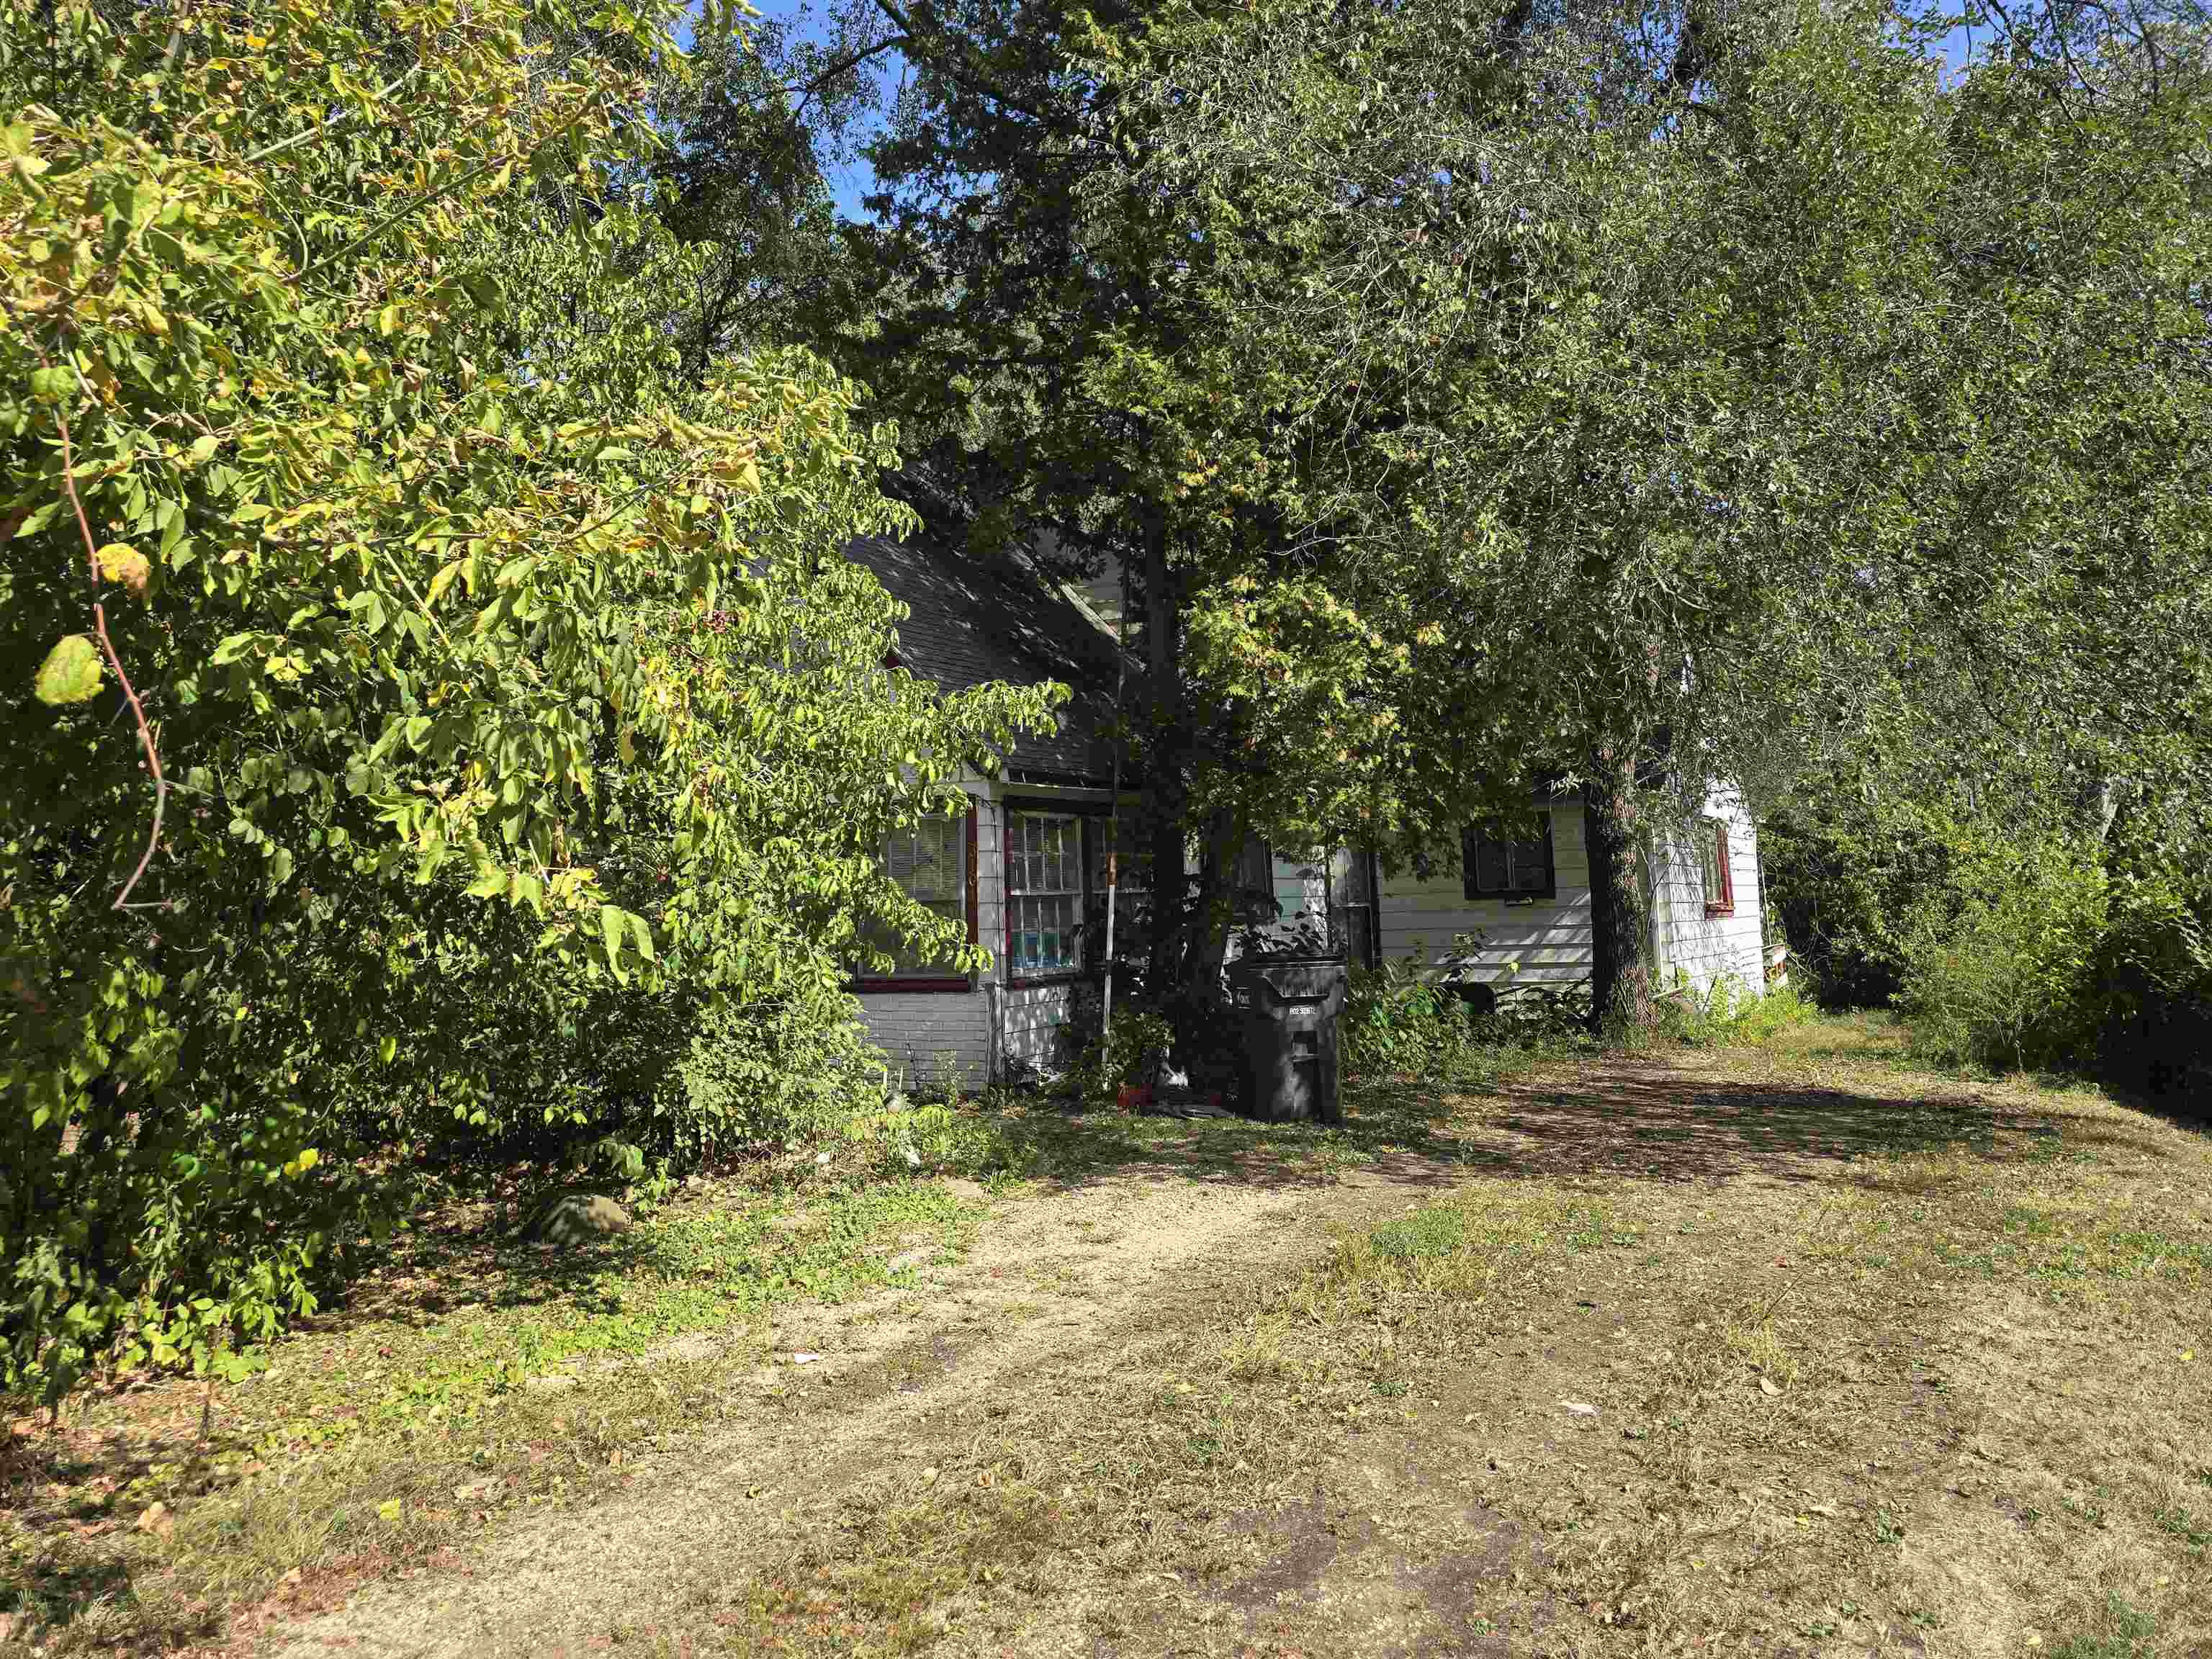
611, 927
71, 673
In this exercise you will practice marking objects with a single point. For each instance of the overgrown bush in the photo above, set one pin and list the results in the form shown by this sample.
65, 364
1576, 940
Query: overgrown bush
1851, 885
511, 703
2151, 980
2007, 981
1394, 1020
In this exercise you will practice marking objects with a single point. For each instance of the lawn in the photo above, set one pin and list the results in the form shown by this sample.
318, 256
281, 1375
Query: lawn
1785, 1349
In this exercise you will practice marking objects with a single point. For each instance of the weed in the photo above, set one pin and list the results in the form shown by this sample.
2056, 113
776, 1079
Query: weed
1434, 1229
2119, 1630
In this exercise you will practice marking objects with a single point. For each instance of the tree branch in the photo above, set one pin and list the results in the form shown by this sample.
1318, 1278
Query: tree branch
905, 24
100, 626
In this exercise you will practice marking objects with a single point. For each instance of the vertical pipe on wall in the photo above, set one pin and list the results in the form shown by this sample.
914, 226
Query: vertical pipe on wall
1114, 804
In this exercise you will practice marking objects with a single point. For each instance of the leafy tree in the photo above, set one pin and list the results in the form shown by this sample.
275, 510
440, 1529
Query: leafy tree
1723, 386
443, 707
1052, 330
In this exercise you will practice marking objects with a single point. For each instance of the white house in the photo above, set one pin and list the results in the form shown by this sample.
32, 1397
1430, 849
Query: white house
1530, 900
1026, 866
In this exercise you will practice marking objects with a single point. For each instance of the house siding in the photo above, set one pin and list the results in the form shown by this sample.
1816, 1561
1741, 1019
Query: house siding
1035, 1019
1707, 948
1546, 941
915, 1029
1549, 942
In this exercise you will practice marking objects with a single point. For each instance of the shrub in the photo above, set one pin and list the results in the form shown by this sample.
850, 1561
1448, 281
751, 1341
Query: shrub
1850, 887
2152, 977
1394, 1020
2008, 981
1726, 1015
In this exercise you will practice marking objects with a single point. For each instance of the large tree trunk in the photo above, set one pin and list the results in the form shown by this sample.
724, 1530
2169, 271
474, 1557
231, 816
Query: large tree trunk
1212, 909
1190, 908
1620, 914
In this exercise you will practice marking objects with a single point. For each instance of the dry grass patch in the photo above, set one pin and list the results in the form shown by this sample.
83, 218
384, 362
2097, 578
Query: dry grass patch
1789, 1350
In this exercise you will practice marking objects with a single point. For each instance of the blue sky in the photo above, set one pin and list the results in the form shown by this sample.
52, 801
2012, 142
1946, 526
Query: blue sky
851, 181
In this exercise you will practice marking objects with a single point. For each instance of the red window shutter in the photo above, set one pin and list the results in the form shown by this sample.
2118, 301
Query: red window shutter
1728, 875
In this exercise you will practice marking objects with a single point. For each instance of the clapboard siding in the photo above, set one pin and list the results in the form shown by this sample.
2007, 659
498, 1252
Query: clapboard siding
918, 1031
1542, 942
1707, 948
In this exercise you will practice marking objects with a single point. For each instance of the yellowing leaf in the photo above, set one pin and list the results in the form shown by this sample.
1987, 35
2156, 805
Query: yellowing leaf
71, 673
387, 320
123, 564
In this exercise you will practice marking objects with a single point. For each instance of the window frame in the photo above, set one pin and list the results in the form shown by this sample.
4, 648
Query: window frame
1715, 839
1070, 812
1361, 860
925, 980
1471, 839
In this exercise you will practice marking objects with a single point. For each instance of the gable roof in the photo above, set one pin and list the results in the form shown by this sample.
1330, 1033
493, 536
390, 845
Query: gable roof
976, 619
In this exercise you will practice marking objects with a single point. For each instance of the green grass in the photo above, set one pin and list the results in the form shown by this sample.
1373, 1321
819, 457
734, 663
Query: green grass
2119, 1630
414, 1415
1437, 1230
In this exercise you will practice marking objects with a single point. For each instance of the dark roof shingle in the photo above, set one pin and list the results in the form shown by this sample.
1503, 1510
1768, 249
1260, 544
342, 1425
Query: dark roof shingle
974, 620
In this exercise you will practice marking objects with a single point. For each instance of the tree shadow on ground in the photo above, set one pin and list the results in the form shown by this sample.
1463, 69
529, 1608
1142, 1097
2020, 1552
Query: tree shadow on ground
1605, 1118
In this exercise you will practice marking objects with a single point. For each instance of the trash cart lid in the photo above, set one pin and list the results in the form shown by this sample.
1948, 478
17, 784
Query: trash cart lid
1292, 979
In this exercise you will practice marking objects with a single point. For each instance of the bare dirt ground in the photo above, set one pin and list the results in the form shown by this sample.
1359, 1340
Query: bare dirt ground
1790, 1350
1780, 1352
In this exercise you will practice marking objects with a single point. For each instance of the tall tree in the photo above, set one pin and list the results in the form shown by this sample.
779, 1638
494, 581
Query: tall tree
429, 699
1048, 325
1733, 390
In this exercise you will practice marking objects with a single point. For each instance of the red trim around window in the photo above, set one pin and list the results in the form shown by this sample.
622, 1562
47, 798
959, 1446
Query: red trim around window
1725, 904
946, 982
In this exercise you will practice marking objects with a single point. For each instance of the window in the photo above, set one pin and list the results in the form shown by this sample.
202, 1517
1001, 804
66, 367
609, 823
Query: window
1252, 884
1512, 870
1132, 890
1713, 859
1044, 893
928, 862
1351, 904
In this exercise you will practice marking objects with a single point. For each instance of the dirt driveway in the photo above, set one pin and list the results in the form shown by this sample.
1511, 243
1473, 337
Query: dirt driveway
1776, 1352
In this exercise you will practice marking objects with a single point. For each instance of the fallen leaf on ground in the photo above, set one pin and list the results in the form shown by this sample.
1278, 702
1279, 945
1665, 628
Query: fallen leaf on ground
1768, 1385
1579, 1408
157, 1520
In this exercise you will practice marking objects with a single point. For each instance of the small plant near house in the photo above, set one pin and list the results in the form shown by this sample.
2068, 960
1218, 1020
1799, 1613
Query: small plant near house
1131, 1055
1394, 1020
905, 1136
1726, 1015
948, 1077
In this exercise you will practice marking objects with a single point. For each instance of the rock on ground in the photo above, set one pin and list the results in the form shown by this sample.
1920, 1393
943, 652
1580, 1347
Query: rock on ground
576, 1219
